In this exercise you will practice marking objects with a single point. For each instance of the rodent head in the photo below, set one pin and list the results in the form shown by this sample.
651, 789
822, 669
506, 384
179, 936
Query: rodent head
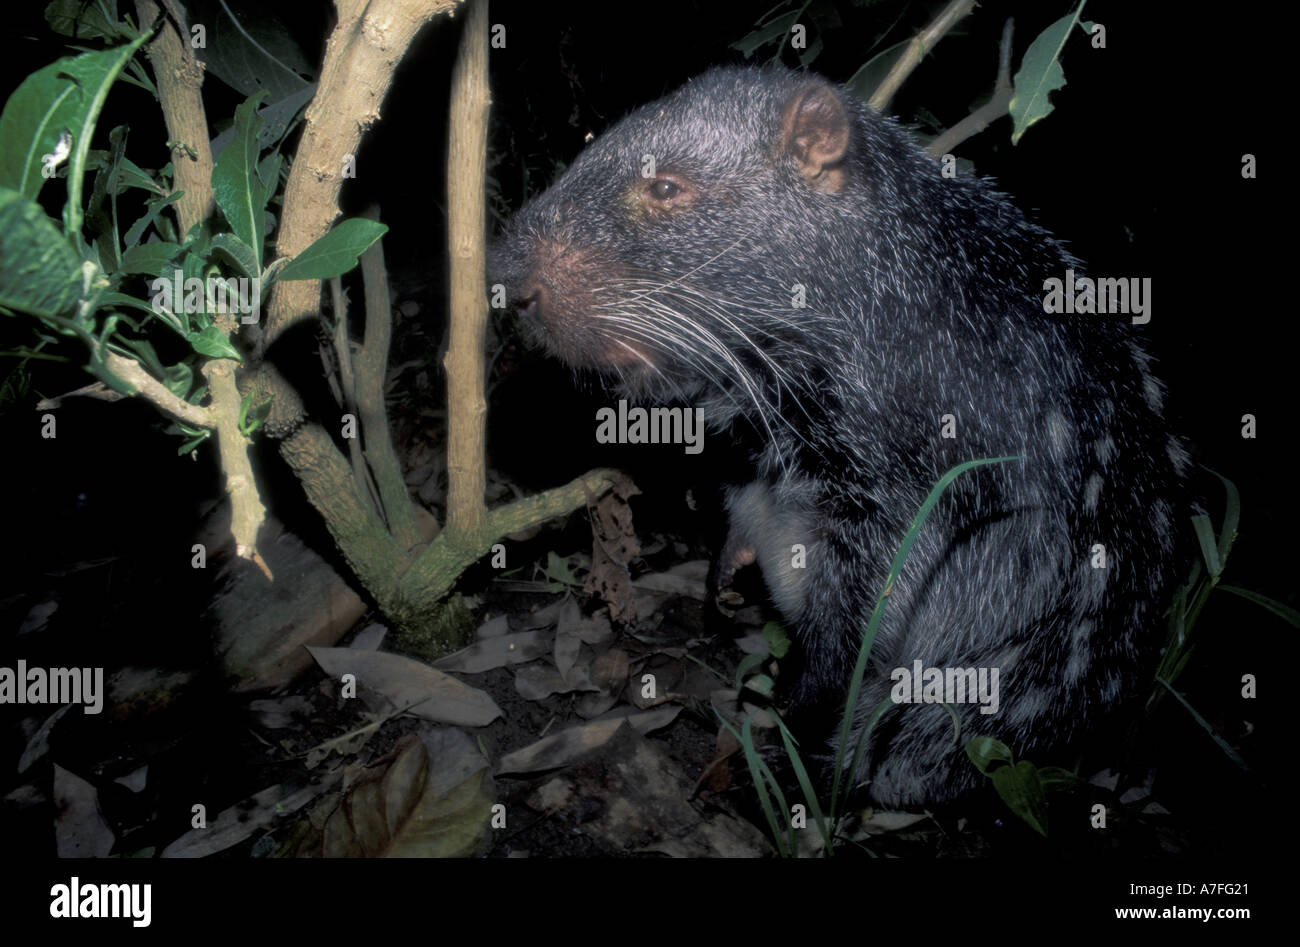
668, 253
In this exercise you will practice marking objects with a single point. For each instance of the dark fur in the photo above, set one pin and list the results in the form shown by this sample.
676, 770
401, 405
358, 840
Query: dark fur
924, 298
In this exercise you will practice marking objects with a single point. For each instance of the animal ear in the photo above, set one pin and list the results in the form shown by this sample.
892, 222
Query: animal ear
815, 133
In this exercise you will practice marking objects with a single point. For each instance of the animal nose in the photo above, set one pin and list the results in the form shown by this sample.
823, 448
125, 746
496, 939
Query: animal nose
528, 303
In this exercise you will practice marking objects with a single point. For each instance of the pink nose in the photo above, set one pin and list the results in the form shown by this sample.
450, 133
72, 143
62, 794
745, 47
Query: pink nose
529, 302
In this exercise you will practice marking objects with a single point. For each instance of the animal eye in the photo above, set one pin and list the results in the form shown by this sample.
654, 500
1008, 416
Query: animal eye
662, 189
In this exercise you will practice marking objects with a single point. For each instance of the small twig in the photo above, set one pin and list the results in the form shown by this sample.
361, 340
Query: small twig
921, 44
246, 510
345, 384
153, 391
993, 109
383, 469
97, 390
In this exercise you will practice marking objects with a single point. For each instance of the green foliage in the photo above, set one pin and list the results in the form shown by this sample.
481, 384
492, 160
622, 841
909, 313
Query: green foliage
61, 101
778, 642
1040, 74
848, 753
250, 52
116, 276
39, 272
1019, 784
86, 19
336, 252
238, 184
1023, 787
252, 416
559, 571
1190, 600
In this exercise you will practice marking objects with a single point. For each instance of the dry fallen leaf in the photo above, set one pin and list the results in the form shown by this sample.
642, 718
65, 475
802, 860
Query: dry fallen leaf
633, 796
497, 652
233, 825
411, 685
432, 800
493, 628
39, 743
79, 831
562, 748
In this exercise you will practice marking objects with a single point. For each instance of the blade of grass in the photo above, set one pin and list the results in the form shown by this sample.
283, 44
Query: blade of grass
873, 624
1228, 751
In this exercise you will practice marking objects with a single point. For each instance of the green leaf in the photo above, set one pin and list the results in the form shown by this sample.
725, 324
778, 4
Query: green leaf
433, 800
135, 75
268, 172
985, 751
237, 252
873, 625
747, 664
103, 223
1231, 517
213, 343
193, 267
251, 51
95, 77
806, 786
144, 353
199, 240
272, 273
761, 684
63, 99
235, 183
178, 379
1209, 550
770, 795
336, 252
778, 642
99, 346
1055, 778
558, 570
1039, 75
774, 32
84, 20
149, 259
132, 175
1284, 612
253, 416
155, 207
279, 117
1022, 791
1205, 725
45, 106
129, 174
194, 436
39, 272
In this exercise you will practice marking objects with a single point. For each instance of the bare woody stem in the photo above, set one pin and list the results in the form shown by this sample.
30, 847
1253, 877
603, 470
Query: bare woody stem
993, 109
467, 223
917, 49
178, 75
362, 52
